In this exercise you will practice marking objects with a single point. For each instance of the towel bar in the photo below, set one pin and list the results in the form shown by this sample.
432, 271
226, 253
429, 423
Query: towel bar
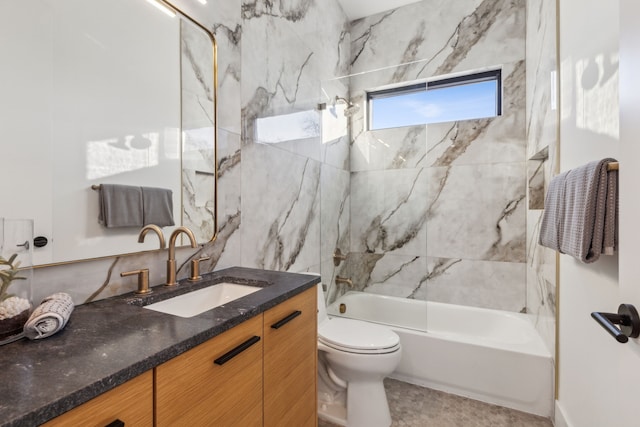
95, 187
613, 166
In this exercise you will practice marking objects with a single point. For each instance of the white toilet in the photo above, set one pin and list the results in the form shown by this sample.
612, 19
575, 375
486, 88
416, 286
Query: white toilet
353, 358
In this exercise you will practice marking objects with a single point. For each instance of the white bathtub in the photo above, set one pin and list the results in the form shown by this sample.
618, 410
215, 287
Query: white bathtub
489, 355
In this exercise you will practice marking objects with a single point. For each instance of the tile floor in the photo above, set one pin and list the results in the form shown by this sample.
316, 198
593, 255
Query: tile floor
413, 406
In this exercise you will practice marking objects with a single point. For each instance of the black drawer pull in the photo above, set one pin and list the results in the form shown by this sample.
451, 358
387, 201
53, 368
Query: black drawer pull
116, 423
289, 318
236, 351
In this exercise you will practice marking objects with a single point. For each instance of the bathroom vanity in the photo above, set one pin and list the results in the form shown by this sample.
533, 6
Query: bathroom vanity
250, 362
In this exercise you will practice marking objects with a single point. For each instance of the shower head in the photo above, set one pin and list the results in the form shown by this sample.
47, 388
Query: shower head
351, 108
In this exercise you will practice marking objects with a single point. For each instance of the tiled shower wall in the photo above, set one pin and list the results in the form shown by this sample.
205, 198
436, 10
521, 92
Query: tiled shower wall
438, 212
288, 48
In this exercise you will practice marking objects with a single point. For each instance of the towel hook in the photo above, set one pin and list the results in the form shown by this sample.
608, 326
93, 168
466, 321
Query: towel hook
627, 318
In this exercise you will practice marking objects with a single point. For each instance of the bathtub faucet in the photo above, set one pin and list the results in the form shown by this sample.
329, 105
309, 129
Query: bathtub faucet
344, 281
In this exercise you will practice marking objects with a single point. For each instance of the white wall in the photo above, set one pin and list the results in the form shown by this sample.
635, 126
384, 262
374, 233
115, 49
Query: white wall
24, 121
589, 111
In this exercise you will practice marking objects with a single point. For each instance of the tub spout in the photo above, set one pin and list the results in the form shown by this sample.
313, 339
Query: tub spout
344, 281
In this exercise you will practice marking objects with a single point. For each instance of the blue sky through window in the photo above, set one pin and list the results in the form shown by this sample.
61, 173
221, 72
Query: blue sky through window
440, 104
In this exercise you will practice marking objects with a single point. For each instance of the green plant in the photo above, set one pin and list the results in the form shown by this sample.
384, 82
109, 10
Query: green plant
8, 275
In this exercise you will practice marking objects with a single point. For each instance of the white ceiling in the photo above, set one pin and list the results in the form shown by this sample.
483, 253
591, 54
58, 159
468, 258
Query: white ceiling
356, 9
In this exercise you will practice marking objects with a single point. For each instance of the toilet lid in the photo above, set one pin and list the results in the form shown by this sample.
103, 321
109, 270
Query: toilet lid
356, 336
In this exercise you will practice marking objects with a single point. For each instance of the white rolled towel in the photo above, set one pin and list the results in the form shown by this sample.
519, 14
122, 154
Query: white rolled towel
49, 317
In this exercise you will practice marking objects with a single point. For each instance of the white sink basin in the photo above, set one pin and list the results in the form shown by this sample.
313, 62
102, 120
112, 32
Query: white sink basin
196, 302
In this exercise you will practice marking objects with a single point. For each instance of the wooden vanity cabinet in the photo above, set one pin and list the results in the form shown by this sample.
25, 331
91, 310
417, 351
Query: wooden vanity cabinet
217, 383
272, 382
130, 403
290, 358
260, 373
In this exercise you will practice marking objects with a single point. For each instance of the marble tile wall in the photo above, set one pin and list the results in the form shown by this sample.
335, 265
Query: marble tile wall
438, 212
542, 124
288, 150
198, 130
436, 38
224, 19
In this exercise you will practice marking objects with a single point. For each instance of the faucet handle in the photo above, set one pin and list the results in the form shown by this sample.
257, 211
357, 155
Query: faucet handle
195, 268
143, 280
338, 257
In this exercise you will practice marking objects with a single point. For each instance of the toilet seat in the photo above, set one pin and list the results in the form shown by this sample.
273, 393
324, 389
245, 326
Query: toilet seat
355, 336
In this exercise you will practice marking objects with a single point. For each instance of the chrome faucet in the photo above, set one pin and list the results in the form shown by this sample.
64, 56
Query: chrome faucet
171, 262
155, 229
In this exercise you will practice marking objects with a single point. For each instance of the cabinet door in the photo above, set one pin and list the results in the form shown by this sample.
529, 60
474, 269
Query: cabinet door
218, 383
131, 403
290, 353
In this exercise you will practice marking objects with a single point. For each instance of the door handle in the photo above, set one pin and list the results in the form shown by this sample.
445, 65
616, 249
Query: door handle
627, 319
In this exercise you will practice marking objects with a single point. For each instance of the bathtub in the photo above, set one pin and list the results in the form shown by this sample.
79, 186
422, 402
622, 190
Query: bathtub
488, 355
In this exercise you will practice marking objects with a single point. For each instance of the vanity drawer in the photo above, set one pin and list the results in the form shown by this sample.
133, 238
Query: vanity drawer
290, 357
218, 383
130, 403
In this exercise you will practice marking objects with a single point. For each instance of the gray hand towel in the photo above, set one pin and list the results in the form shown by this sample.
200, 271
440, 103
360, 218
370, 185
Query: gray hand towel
554, 209
581, 210
157, 206
120, 206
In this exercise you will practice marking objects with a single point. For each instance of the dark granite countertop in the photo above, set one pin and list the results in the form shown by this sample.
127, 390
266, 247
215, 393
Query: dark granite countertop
111, 341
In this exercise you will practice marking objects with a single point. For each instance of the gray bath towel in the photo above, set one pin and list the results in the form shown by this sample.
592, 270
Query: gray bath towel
581, 212
120, 206
157, 206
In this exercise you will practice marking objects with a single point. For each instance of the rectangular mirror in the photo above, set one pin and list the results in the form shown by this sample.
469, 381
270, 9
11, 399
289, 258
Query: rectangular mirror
104, 92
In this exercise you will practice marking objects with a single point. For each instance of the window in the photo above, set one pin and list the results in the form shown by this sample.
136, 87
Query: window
458, 98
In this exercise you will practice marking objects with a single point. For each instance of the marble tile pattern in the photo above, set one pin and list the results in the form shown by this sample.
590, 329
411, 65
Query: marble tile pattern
434, 38
542, 124
535, 175
224, 19
281, 206
198, 130
438, 212
413, 406
289, 48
